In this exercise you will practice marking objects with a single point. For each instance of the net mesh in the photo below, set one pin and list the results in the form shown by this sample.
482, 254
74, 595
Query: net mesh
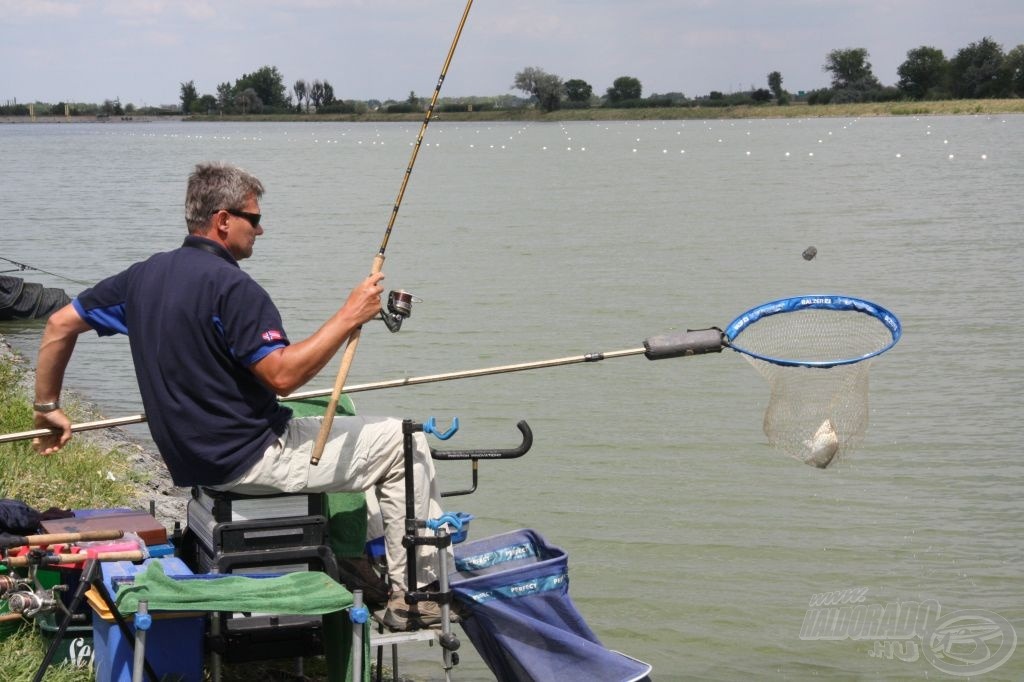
815, 414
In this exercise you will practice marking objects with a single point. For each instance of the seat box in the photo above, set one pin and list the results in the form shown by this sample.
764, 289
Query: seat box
269, 561
241, 536
261, 638
229, 506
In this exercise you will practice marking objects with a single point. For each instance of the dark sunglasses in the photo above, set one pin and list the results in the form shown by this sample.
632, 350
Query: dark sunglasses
253, 218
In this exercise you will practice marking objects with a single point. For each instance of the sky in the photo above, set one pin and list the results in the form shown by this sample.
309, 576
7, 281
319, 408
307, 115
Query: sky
141, 51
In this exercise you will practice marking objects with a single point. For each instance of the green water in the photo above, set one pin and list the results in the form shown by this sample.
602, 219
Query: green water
692, 545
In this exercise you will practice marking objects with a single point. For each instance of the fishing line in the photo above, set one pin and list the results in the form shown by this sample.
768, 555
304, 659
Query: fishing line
22, 267
378, 261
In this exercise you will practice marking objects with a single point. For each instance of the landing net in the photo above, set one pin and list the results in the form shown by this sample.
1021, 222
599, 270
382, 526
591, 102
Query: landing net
815, 353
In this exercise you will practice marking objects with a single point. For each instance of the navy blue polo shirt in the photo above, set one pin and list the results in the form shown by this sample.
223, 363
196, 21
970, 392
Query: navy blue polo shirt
196, 323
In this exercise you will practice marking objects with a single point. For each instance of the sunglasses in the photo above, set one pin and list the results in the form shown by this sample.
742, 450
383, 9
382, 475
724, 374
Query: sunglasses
253, 218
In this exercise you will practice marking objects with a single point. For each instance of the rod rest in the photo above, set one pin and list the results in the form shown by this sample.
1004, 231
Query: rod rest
519, 451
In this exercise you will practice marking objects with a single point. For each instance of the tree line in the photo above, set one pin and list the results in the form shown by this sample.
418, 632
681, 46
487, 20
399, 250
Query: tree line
980, 70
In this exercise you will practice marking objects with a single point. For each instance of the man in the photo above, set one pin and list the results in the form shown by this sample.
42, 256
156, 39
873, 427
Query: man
211, 357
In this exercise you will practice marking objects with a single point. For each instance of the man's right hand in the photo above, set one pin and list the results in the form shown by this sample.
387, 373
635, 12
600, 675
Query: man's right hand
47, 445
363, 303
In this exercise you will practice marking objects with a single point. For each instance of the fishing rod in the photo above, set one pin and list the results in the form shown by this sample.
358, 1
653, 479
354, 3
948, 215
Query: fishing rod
655, 348
378, 261
22, 267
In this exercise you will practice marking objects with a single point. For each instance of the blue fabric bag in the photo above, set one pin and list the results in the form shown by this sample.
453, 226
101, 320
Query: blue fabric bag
515, 587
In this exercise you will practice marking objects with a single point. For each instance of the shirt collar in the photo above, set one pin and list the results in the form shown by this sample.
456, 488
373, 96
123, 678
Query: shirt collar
210, 246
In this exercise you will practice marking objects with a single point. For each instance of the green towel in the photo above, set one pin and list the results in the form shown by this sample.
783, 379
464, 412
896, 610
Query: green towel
306, 593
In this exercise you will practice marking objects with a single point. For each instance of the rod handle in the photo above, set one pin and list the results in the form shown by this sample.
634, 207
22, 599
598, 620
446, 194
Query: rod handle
23, 561
339, 381
55, 538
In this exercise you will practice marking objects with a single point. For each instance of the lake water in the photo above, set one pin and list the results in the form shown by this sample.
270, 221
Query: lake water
692, 544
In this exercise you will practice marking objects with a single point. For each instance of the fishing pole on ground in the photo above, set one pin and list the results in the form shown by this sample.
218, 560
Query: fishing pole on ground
378, 261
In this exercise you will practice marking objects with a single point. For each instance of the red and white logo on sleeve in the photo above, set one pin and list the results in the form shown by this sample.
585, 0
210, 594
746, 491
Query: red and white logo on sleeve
272, 335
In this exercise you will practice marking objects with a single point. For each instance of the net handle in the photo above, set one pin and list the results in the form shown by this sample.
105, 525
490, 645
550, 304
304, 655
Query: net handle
809, 302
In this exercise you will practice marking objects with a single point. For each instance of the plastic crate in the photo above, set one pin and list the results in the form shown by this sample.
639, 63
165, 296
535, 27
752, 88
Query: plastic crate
76, 645
174, 642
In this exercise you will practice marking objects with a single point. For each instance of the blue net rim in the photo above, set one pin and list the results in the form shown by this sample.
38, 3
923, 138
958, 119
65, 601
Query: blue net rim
808, 302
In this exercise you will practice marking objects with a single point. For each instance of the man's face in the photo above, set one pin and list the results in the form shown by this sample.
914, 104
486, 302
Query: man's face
243, 226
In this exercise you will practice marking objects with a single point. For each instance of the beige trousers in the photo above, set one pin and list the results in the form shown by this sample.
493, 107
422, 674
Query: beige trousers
362, 454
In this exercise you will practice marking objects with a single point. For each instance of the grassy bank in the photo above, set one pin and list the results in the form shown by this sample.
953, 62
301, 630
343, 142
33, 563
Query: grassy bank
941, 108
83, 475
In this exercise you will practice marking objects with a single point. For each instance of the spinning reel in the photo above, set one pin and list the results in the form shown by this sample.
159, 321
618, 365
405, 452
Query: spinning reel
26, 596
399, 308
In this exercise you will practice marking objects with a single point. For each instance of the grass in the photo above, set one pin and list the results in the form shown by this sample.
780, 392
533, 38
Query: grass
83, 475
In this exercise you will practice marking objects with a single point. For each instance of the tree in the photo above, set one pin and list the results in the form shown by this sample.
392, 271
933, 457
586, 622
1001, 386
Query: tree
579, 91
225, 97
205, 104
977, 71
316, 93
924, 72
268, 84
1014, 65
328, 93
851, 69
188, 96
775, 85
249, 102
112, 107
546, 87
300, 90
624, 88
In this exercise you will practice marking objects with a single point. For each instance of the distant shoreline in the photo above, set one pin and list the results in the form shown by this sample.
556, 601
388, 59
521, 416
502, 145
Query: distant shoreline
68, 120
974, 107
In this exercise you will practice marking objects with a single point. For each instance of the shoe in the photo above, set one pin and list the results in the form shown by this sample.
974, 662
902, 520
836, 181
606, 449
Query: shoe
401, 616
359, 574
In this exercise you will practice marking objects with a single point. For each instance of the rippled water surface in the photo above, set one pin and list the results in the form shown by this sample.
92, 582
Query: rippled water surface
692, 545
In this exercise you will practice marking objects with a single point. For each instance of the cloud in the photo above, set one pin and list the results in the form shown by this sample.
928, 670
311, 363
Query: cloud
30, 9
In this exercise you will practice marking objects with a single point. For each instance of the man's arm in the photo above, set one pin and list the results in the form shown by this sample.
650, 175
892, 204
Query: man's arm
62, 330
289, 368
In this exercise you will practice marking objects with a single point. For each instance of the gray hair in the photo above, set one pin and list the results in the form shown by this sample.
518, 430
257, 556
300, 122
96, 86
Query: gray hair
216, 185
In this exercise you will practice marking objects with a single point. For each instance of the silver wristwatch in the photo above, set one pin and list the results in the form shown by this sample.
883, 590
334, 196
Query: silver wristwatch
46, 407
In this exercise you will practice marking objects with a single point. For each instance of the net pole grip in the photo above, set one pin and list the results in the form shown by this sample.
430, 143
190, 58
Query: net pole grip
683, 344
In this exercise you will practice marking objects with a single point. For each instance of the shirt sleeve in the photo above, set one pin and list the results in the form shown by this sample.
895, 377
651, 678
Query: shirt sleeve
103, 306
250, 322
